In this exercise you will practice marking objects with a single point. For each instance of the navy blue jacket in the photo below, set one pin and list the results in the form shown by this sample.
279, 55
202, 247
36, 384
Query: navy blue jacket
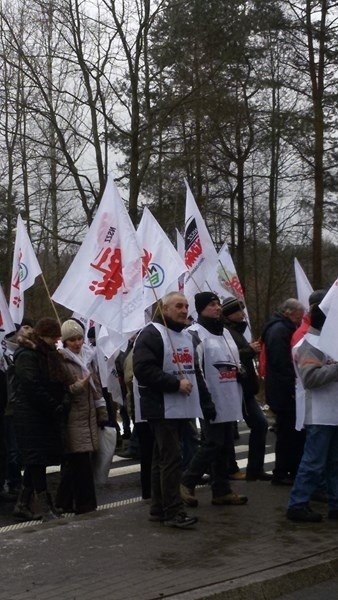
280, 374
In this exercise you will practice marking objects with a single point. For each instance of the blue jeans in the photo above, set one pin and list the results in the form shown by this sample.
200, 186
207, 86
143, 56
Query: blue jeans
320, 459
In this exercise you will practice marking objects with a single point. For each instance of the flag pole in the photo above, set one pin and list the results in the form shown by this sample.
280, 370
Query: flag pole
159, 307
50, 299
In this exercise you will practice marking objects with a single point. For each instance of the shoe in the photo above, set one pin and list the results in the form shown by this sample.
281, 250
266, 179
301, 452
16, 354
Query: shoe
262, 476
238, 476
127, 454
46, 507
333, 514
288, 480
188, 496
303, 515
205, 479
23, 507
181, 520
231, 499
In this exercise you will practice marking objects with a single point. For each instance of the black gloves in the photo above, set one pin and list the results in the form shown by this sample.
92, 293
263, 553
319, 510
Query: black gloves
210, 413
241, 374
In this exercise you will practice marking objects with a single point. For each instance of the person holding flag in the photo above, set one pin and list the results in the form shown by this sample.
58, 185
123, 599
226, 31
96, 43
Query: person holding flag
172, 391
235, 322
219, 358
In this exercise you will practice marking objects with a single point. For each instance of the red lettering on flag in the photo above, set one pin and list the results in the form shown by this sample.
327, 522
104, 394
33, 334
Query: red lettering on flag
193, 253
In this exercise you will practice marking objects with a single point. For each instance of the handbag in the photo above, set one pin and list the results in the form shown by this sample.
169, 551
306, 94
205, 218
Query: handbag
104, 455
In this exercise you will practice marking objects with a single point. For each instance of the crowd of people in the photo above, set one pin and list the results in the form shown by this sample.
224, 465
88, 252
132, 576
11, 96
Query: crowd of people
175, 373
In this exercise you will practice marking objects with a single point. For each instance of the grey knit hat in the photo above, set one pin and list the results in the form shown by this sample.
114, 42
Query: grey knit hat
71, 329
231, 305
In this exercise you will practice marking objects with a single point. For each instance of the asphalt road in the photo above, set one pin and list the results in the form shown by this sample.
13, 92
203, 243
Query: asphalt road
124, 477
321, 591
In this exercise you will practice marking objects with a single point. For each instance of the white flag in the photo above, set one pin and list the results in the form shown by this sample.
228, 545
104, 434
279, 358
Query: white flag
162, 265
224, 279
104, 281
304, 287
24, 272
6, 321
328, 340
181, 251
200, 253
326, 302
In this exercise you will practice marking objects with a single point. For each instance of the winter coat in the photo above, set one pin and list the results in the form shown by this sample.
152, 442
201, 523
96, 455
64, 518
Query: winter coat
82, 426
249, 381
40, 383
280, 374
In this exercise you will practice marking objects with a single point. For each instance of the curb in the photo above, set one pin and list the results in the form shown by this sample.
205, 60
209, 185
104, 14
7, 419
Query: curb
270, 583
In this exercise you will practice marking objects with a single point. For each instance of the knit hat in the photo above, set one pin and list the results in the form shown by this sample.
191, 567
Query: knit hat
48, 327
71, 329
231, 305
317, 296
203, 299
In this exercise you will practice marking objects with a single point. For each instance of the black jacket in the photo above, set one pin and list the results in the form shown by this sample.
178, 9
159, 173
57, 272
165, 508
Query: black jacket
154, 382
249, 381
280, 374
38, 407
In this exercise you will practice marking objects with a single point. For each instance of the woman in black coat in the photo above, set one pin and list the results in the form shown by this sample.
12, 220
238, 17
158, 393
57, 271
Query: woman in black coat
40, 387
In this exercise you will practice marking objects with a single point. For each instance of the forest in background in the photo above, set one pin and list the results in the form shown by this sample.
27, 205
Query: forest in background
238, 97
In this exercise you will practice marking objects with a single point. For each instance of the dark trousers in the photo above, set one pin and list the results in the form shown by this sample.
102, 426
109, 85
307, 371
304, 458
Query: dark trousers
257, 422
213, 454
166, 467
76, 491
13, 455
190, 443
289, 445
146, 444
2, 451
35, 478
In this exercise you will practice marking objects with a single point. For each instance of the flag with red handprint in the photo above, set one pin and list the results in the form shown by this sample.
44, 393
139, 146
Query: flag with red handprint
162, 265
104, 281
6, 321
24, 272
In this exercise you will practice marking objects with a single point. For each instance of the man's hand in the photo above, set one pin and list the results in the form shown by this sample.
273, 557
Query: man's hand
256, 346
185, 386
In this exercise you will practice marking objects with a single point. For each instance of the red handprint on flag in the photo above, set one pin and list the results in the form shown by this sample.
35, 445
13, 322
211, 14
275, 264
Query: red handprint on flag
146, 258
108, 262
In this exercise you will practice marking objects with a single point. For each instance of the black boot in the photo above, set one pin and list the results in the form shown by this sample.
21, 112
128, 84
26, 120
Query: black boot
46, 507
23, 508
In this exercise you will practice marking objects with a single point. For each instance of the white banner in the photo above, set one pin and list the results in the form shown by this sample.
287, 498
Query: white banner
162, 265
104, 281
304, 287
24, 272
328, 340
6, 321
200, 253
